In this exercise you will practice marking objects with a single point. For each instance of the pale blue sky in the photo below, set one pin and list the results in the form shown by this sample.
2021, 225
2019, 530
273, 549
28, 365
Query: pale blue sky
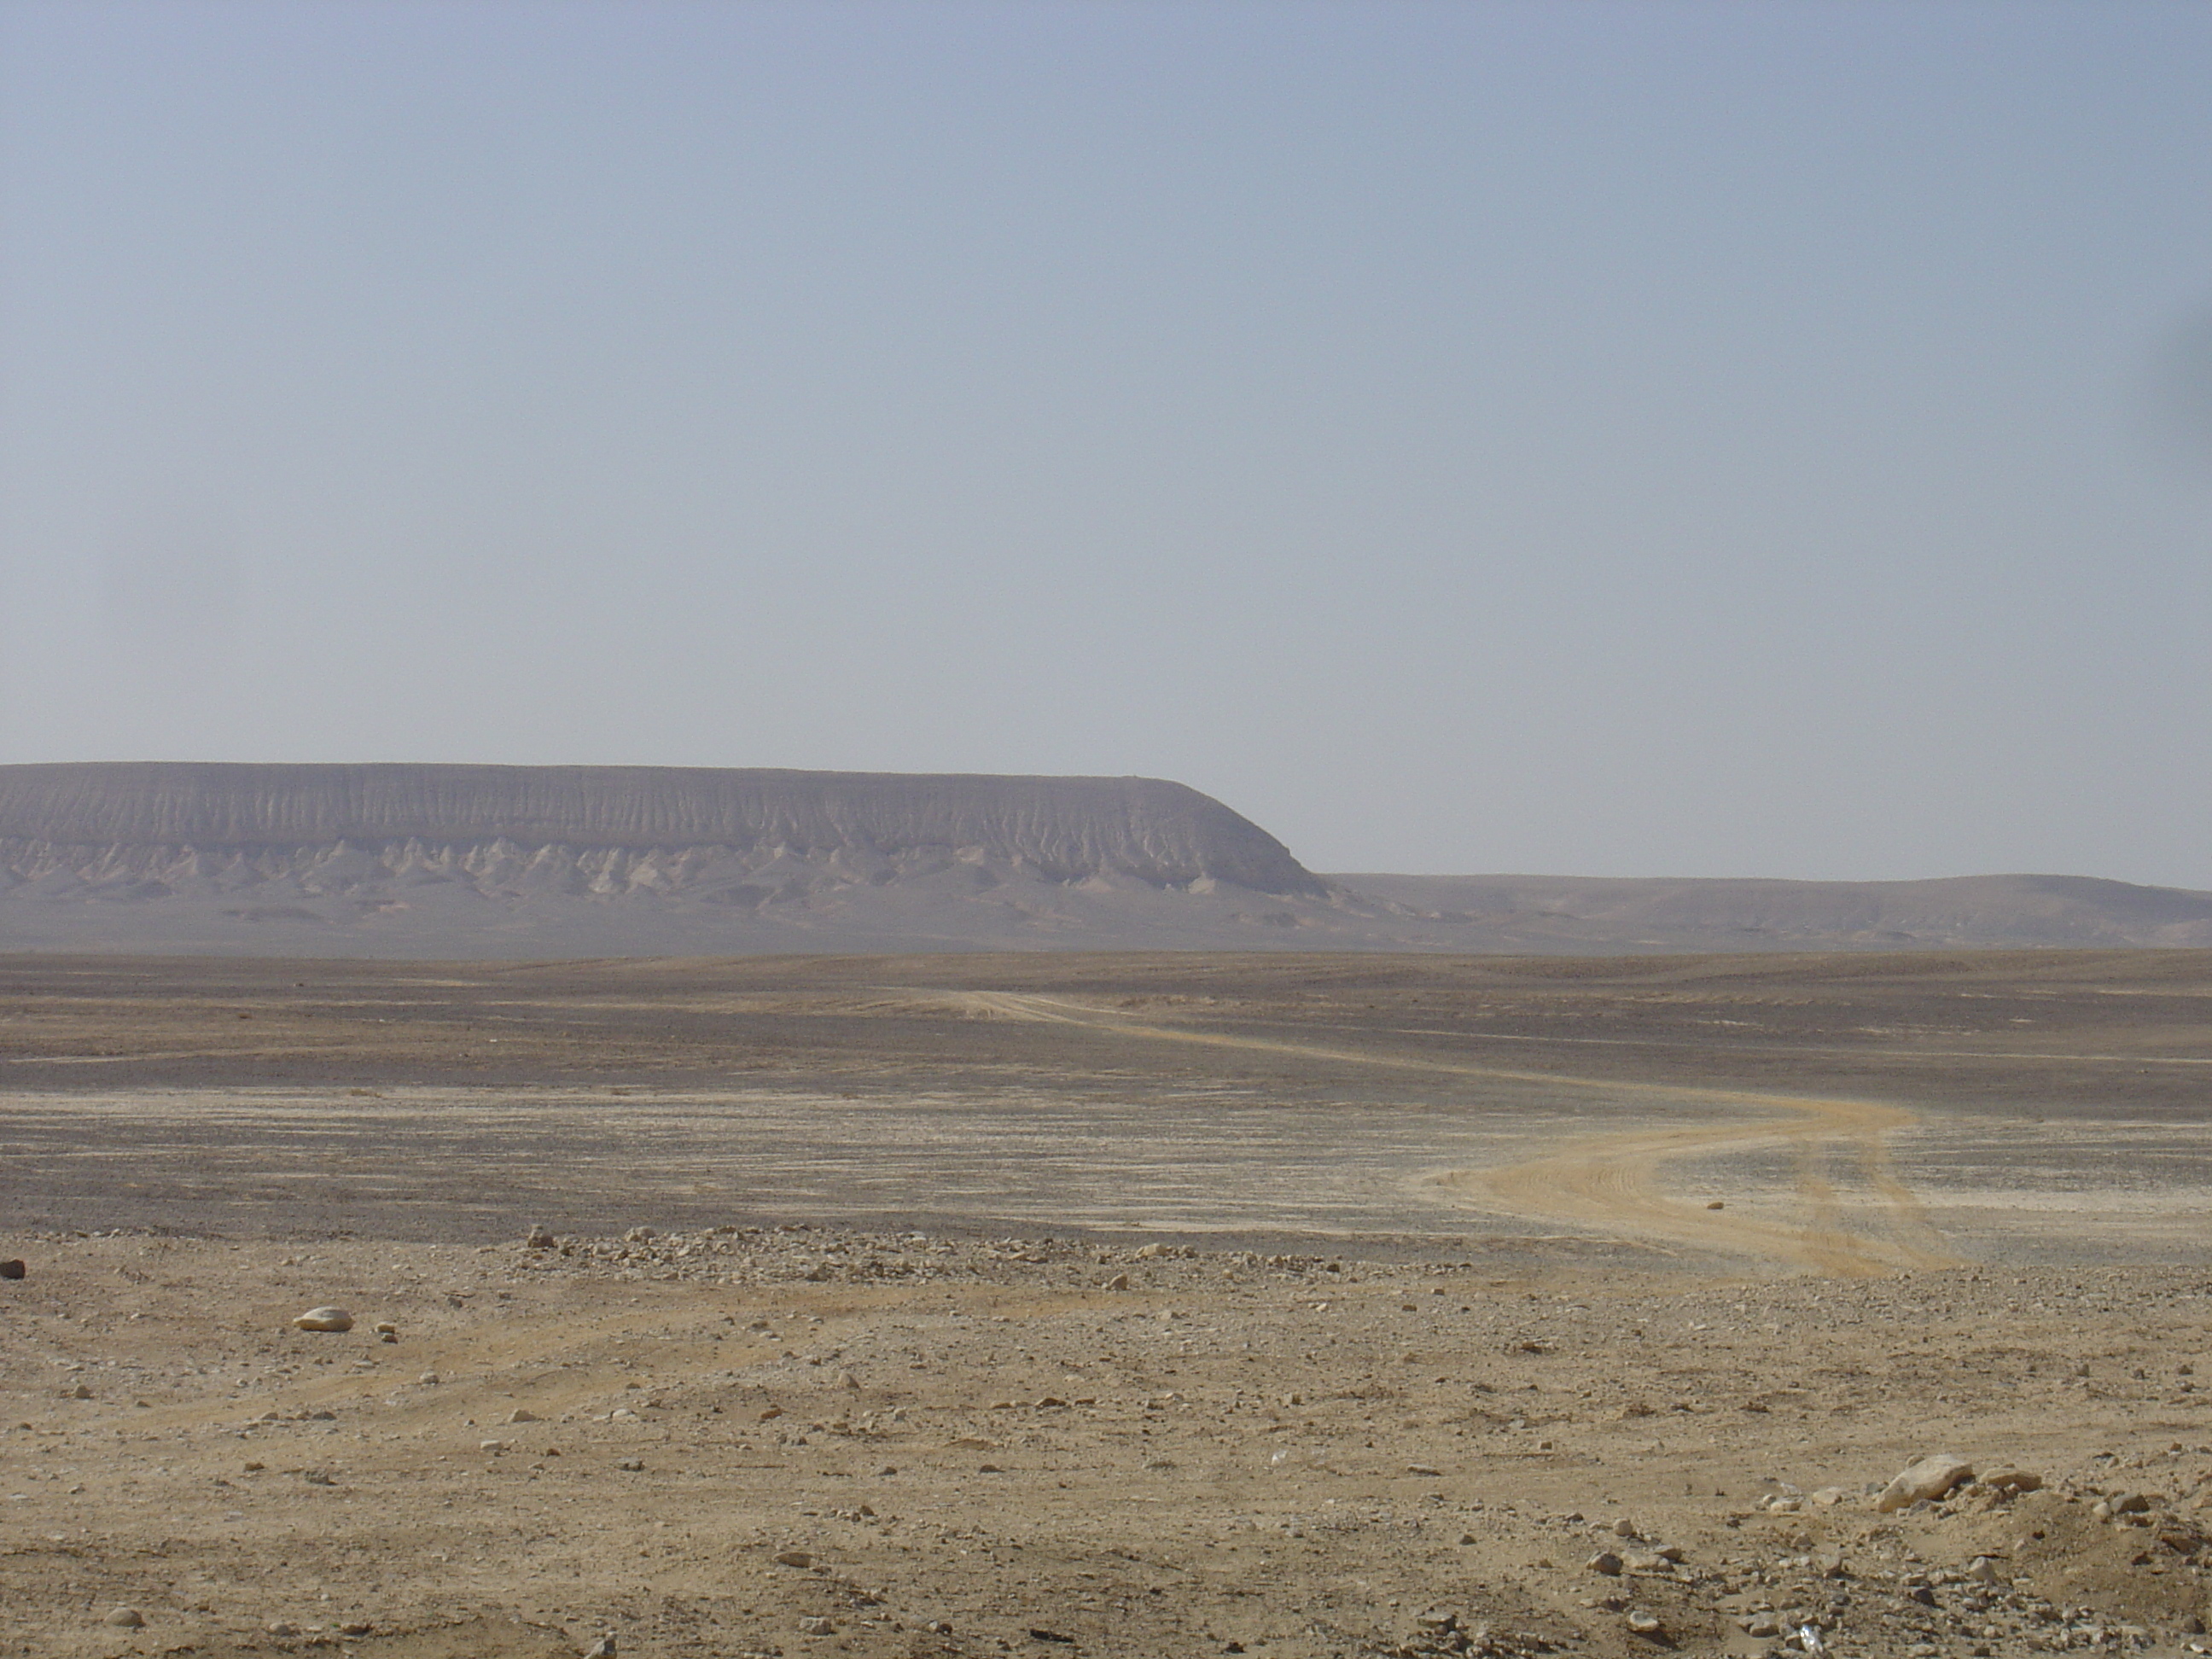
1654, 439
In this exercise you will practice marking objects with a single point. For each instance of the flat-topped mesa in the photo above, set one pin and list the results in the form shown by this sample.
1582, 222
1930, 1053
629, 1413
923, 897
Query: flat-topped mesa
1064, 828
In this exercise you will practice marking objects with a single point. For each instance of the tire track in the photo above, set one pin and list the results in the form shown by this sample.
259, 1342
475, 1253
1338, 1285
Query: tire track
1608, 1181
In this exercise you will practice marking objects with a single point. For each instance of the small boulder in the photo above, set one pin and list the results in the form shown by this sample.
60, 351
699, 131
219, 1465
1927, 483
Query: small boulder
1931, 1478
324, 1319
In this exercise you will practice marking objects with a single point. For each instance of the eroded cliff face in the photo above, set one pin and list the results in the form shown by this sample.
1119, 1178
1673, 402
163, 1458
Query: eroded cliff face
455, 851
1065, 829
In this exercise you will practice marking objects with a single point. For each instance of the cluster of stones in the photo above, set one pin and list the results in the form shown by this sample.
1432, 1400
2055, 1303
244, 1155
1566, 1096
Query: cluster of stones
760, 1255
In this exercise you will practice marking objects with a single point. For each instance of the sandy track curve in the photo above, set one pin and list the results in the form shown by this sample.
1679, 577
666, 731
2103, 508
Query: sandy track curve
1608, 1181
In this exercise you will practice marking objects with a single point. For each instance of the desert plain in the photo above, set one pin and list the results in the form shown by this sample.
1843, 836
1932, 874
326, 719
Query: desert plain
1179, 1303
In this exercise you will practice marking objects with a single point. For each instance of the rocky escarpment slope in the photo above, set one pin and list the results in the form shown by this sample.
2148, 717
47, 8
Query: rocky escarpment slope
516, 861
496, 860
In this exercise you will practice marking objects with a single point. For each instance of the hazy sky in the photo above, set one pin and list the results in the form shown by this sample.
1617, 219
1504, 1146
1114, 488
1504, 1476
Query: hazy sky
1653, 439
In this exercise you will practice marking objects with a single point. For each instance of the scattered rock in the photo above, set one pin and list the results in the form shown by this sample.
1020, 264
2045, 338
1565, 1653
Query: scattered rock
429, 1379
13, 1268
602, 1649
324, 1319
1717, 1204
1646, 1623
1607, 1562
2012, 1480
539, 1239
1119, 1282
817, 1627
798, 1559
632, 1465
522, 1414
125, 1619
1931, 1479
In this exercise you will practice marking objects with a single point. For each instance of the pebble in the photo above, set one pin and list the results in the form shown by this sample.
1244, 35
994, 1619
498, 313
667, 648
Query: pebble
1646, 1623
324, 1319
125, 1619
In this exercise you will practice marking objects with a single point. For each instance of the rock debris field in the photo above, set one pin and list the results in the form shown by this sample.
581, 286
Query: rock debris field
791, 1440
960, 1308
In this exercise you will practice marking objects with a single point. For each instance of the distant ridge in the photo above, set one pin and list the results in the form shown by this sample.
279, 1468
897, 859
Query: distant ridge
396, 860
1601, 913
1066, 828
550, 861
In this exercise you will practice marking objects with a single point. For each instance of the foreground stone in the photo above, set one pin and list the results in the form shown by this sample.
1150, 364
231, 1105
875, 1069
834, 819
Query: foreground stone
1931, 1478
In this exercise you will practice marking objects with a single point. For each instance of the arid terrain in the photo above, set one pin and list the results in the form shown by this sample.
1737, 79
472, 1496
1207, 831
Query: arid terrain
1289, 1306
